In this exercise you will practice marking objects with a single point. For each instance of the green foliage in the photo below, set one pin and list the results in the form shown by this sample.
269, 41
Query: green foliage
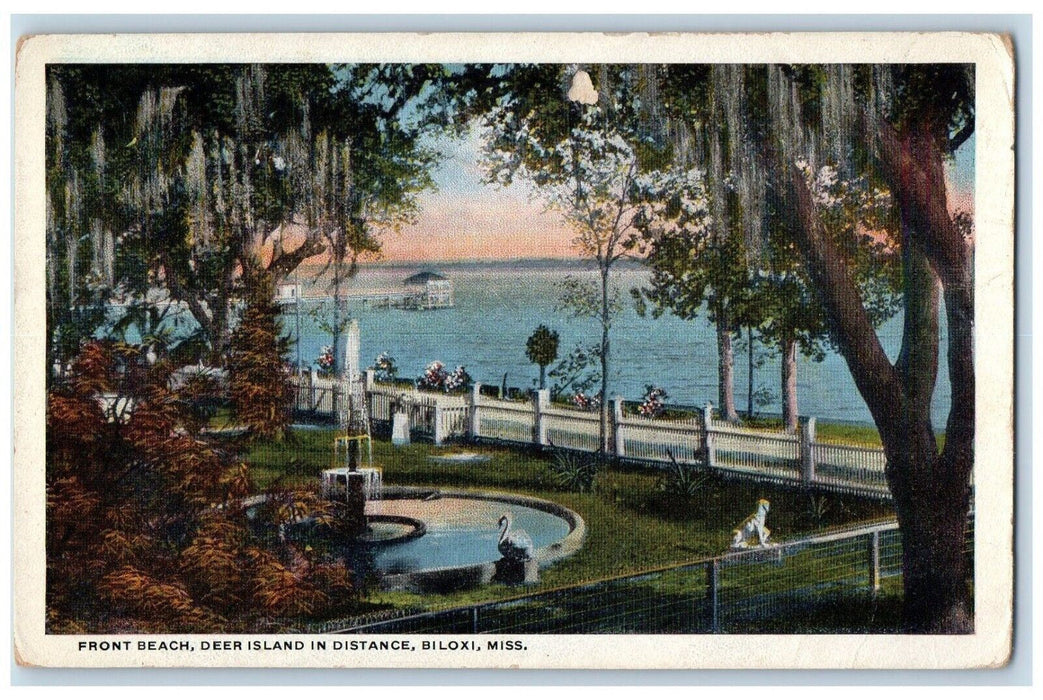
542, 346
258, 377
584, 298
574, 471
937, 99
699, 265
684, 481
577, 372
179, 174
542, 349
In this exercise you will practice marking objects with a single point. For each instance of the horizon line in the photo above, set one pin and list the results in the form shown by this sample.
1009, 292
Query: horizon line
450, 261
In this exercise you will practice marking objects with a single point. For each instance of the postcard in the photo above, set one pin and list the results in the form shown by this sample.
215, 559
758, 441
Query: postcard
546, 351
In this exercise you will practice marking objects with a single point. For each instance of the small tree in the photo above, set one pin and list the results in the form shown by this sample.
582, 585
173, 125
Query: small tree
576, 373
134, 540
698, 262
586, 170
258, 376
542, 349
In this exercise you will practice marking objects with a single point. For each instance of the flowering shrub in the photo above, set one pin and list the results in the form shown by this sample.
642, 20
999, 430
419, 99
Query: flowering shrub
459, 380
385, 368
433, 378
437, 378
652, 405
587, 403
325, 360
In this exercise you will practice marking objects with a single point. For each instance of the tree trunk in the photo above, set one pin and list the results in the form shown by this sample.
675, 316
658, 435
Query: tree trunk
931, 490
338, 359
606, 439
725, 369
932, 517
935, 489
209, 307
917, 363
219, 332
789, 384
749, 372
543, 376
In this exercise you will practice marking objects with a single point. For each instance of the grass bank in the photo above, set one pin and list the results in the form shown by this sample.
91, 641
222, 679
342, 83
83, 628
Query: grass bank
633, 522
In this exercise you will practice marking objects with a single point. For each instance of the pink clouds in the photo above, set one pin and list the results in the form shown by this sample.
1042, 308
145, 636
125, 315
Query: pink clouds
466, 219
961, 200
485, 228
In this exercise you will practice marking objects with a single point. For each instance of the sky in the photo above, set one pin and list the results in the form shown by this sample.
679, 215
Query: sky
465, 219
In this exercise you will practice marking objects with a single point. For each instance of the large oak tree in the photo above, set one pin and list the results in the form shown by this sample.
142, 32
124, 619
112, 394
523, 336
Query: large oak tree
184, 176
904, 122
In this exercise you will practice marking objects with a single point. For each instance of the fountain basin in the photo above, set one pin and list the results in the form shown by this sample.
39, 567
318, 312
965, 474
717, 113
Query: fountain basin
459, 548
432, 540
387, 529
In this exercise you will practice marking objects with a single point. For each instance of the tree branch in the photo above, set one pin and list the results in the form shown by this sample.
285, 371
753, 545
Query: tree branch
179, 291
962, 135
917, 362
913, 164
874, 376
288, 262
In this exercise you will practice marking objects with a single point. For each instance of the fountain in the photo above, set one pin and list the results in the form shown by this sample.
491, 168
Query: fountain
426, 539
334, 481
347, 483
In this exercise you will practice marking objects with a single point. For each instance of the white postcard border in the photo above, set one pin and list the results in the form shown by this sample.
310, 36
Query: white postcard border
994, 317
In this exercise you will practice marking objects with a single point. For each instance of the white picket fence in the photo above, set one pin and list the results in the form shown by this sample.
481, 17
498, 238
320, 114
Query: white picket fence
313, 394
702, 442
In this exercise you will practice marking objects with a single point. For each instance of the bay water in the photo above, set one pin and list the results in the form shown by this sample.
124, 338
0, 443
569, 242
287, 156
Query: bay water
499, 304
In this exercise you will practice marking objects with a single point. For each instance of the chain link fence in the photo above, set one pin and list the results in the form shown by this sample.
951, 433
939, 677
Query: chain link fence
806, 585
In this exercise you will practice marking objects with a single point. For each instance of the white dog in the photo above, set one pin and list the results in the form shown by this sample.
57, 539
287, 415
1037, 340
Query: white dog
753, 525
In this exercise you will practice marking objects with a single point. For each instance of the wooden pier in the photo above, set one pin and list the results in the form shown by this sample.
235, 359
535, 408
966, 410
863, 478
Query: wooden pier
424, 291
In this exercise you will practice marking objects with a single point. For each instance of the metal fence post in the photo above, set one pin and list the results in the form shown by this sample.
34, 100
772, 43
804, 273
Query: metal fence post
874, 561
617, 426
708, 448
474, 620
475, 397
712, 582
807, 450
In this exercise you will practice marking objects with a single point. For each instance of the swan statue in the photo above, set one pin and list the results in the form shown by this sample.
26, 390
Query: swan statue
517, 544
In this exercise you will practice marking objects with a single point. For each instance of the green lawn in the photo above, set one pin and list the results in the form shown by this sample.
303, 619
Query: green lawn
841, 433
632, 524
837, 433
